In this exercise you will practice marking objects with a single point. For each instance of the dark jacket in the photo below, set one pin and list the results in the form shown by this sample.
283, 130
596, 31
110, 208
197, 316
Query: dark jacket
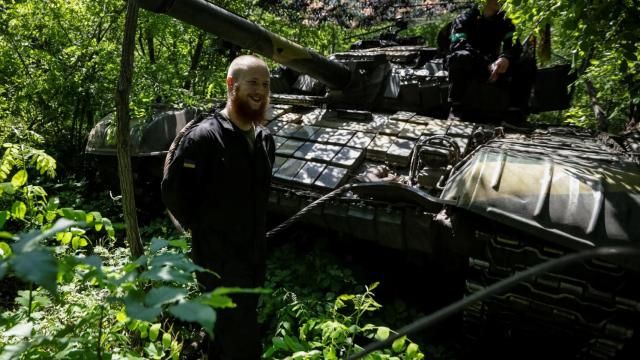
218, 188
488, 37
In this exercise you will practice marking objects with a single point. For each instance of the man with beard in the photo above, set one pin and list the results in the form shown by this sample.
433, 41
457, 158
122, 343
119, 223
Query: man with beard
217, 186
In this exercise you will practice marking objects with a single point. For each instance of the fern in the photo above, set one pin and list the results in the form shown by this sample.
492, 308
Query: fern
43, 162
10, 159
17, 155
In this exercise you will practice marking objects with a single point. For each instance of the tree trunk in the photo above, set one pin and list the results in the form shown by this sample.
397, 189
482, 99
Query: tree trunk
150, 46
601, 117
141, 44
195, 60
123, 91
634, 108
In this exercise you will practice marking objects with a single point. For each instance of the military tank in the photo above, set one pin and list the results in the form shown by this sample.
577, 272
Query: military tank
369, 126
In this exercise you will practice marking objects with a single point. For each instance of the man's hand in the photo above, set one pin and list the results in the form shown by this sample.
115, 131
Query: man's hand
498, 67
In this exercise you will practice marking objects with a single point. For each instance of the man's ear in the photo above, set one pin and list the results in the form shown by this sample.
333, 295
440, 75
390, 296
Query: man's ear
229, 84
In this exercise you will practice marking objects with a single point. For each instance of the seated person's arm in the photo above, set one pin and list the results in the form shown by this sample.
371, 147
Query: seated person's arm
460, 30
508, 54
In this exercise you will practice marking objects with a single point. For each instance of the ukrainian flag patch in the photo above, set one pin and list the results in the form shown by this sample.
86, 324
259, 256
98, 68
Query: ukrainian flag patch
189, 164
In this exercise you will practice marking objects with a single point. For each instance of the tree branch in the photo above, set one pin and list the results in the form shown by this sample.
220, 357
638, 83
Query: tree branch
195, 60
601, 117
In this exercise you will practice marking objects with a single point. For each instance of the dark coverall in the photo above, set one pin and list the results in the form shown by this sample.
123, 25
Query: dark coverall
476, 42
217, 186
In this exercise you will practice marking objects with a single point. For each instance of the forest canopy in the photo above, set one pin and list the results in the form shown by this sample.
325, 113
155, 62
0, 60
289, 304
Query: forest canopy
59, 59
70, 286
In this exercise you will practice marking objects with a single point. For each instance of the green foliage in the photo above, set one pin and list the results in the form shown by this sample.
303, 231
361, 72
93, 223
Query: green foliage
94, 299
602, 33
314, 322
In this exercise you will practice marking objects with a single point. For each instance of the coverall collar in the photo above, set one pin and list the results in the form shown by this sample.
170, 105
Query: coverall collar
229, 125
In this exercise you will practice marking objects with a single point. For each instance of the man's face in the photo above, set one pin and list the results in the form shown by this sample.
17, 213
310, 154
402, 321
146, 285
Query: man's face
250, 95
491, 8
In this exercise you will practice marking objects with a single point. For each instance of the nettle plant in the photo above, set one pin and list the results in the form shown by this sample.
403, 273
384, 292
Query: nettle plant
82, 300
335, 334
316, 322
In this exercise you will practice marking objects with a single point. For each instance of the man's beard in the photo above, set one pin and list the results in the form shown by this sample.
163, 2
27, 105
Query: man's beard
242, 107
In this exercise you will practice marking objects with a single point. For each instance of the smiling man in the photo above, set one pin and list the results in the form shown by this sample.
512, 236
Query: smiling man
217, 186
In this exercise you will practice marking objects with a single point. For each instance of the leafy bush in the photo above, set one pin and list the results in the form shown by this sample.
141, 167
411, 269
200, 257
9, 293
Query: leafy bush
86, 301
314, 322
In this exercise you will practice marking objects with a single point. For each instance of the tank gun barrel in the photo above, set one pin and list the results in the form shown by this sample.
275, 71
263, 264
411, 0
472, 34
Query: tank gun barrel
248, 35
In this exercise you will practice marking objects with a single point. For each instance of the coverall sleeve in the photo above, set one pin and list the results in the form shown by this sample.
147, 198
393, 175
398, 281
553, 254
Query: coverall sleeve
509, 51
182, 180
460, 30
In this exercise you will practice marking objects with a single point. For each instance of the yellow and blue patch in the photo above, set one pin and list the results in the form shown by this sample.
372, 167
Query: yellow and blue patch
189, 164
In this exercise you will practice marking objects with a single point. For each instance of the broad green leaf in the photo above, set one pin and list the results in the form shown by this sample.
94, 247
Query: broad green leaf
11, 352
176, 261
5, 250
8, 188
382, 333
143, 328
195, 312
154, 330
97, 217
166, 340
65, 237
293, 344
167, 273
279, 343
237, 290
398, 344
164, 295
73, 214
31, 240
157, 244
75, 242
152, 351
20, 330
136, 310
77, 231
182, 244
412, 349
4, 215
92, 260
18, 210
217, 301
37, 266
19, 179
53, 204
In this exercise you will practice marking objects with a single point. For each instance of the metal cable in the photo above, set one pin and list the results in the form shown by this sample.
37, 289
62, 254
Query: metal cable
499, 287
273, 232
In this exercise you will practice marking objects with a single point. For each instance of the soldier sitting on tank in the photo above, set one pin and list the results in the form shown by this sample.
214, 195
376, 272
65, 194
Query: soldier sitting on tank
482, 49
217, 185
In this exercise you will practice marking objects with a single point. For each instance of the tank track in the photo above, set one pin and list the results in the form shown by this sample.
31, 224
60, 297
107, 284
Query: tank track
587, 311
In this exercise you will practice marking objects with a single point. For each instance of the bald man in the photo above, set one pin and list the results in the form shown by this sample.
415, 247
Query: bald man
217, 186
